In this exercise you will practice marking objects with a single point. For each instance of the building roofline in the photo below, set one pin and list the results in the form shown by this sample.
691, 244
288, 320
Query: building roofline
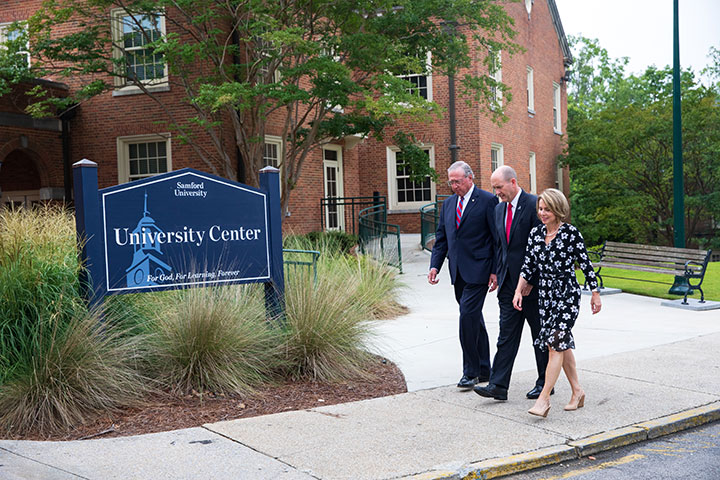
564, 46
48, 83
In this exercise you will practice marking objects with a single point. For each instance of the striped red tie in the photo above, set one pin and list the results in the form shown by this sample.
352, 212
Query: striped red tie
458, 213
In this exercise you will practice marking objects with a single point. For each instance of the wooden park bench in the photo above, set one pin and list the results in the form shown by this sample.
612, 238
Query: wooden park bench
686, 263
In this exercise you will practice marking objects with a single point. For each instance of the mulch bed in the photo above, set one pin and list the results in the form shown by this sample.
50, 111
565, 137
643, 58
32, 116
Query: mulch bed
168, 412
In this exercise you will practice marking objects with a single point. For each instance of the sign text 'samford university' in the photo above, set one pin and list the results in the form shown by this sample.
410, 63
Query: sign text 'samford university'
179, 229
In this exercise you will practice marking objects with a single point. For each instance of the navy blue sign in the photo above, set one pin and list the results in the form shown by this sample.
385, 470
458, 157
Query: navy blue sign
179, 229
183, 228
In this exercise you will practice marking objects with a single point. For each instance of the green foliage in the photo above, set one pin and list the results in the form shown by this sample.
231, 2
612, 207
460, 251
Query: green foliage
331, 242
620, 152
327, 69
645, 283
38, 278
378, 287
69, 371
326, 329
210, 339
61, 365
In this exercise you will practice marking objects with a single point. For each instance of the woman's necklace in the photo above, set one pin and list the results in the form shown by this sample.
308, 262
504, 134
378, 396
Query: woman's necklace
548, 234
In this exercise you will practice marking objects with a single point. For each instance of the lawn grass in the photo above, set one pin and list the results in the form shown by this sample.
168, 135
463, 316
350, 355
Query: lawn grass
642, 285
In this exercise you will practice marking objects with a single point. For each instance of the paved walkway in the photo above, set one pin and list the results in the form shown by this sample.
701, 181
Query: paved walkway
647, 370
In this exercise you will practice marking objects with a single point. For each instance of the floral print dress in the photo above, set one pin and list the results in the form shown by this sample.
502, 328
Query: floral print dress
558, 289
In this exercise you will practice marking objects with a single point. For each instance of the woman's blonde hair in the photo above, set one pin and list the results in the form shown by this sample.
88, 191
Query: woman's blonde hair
556, 202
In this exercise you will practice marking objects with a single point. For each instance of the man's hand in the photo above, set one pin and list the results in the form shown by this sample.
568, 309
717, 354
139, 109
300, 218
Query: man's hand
526, 290
432, 276
492, 283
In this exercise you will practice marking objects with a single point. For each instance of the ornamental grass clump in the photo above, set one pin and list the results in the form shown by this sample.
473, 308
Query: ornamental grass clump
39, 270
69, 371
378, 287
211, 339
327, 329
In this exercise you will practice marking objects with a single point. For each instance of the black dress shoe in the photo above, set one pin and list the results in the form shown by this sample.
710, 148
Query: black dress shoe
535, 392
468, 382
491, 391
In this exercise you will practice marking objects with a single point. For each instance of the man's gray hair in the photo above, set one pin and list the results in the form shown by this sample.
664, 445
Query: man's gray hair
506, 172
460, 165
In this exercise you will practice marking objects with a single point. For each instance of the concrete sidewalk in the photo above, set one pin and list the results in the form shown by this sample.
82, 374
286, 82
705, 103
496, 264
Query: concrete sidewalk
647, 370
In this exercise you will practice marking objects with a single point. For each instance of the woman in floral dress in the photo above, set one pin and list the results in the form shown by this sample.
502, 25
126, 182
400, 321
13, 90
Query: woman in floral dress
553, 249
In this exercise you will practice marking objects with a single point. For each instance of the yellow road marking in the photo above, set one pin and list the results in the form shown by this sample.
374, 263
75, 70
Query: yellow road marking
601, 466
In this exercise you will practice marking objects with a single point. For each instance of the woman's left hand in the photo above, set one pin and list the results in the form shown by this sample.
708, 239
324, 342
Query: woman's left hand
595, 302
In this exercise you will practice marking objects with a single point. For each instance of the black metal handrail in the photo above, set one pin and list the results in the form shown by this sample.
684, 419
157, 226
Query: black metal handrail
379, 239
333, 209
429, 215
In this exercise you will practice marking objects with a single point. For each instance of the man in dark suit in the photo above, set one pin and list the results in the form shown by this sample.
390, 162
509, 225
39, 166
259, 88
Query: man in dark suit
465, 236
515, 216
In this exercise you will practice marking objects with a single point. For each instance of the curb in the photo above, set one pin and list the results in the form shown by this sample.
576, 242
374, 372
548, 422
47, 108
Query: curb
620, 437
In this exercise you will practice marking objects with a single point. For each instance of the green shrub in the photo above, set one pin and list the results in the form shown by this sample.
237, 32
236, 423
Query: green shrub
38, 278
211, 339
325, 242
69, 371
378, 287
326, 327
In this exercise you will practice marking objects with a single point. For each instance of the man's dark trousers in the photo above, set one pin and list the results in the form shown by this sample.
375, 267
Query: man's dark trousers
509, 260
470, 251
511, 326
473, 334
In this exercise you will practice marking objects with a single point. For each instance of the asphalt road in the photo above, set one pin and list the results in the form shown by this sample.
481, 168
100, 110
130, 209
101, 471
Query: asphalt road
693, 454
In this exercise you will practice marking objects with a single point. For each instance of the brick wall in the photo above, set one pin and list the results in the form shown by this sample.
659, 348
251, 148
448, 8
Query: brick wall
103, 119
521, 134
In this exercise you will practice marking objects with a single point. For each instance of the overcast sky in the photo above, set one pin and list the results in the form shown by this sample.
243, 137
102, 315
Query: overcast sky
643, 29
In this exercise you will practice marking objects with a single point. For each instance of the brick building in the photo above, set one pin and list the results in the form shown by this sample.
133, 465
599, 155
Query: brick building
122, 131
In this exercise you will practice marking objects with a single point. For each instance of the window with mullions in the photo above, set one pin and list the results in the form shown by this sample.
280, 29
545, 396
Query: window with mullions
408, 191
496, 156
142, 156
272, 151
10, 32
495, 72
132, 34
147, 159
557, 121
421, 81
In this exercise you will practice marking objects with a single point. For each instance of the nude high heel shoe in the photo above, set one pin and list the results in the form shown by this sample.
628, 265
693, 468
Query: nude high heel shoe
540, 412
574, 406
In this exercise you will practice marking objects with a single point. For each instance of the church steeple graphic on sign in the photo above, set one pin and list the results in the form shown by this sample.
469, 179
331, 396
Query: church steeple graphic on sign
146, 261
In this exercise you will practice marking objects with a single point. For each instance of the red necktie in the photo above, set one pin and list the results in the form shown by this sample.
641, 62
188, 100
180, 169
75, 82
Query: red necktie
508, 222
458, 213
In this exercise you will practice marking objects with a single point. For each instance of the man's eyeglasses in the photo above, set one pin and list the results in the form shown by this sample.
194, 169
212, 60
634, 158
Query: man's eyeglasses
454, 182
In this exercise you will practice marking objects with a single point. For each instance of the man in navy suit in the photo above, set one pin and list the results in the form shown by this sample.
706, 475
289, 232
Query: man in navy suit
465, 236
515, 216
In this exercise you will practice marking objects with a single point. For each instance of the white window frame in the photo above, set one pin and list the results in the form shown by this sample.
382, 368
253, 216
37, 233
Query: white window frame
495, 72
4, 38
557, 118
274, 140
330, 52
121, 83
263, 47
530, 89
428, 78
339, 183
532, 169
123, 152
401, 207
499, 149
559, 183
